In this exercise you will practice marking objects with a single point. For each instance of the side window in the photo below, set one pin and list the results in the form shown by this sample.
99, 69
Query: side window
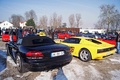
72, 40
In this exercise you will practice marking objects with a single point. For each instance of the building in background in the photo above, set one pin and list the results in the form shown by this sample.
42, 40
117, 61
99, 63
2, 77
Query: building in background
22, 24
93, 30
6, 25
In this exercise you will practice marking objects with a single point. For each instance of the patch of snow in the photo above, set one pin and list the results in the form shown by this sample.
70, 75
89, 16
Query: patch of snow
44, 76
3, 71
9, 78
18, 76
92, 63
115, 60
11, 61
73, 71
26, 74
115, 74
94, 72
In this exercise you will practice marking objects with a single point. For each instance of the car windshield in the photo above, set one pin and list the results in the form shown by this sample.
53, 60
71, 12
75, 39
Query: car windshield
72, 40
94, 41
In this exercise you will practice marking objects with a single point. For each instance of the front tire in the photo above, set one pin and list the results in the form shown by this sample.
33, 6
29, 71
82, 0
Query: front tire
85, 55
19, 63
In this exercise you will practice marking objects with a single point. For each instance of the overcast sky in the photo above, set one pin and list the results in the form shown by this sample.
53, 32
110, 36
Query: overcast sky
89, 9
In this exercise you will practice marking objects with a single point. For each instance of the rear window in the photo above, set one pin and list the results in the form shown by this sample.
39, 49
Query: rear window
43, 41
94, 41
72, 40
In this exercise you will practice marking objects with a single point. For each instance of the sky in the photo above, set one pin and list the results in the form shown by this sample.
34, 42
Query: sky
89, 9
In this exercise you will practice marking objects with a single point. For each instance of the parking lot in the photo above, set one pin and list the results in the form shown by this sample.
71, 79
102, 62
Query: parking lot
105, 69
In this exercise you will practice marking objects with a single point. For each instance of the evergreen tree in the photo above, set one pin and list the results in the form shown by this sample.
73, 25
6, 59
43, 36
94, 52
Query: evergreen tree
30, 22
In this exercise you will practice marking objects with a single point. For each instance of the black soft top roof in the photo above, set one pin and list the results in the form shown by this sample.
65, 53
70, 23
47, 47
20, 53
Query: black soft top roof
36, 40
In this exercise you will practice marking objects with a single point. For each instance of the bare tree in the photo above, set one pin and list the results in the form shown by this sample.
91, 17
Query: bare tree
78, 17
107, 12
31, 15
100, 24
116, 20
72, 20
43, 22
16, 19
59, 21
54, 20
51, 22
109, 17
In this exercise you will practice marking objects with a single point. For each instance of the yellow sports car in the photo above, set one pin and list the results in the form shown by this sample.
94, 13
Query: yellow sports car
88, 48
41, 33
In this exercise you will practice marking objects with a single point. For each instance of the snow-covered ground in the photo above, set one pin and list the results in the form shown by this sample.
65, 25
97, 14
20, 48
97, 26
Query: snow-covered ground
106, 69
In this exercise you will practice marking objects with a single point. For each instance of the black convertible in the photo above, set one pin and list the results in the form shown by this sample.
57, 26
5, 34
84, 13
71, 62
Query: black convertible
38, 53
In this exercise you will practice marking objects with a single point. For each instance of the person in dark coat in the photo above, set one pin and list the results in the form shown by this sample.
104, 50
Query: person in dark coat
19, 33
11, 35
118, 43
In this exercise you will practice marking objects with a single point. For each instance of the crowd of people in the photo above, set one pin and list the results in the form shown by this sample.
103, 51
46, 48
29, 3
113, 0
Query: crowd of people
20, 33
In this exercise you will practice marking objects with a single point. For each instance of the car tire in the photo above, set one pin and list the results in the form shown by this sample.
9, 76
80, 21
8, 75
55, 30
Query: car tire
19, 63
85, 55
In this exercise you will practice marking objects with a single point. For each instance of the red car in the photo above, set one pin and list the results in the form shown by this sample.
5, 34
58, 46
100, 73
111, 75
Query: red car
113, 41
63, 35
6, 36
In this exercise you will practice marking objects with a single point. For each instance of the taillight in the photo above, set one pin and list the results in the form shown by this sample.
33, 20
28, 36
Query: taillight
34, 55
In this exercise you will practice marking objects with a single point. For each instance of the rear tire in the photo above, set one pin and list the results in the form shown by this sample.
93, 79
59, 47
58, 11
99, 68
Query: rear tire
19, 63
85, 55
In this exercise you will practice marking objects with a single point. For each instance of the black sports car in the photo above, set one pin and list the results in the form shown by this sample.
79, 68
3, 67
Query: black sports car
38, 53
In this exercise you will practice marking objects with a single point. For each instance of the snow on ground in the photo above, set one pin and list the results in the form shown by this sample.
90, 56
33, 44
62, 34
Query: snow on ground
9, 78
115, 74
72, 71
76, 70
44, 76
9, 59
115, 60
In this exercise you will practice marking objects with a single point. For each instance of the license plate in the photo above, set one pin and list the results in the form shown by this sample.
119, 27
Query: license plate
55, 54
108, 53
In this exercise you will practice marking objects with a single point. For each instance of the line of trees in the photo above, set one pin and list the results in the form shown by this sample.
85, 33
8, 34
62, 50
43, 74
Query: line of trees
55, 21
109, 18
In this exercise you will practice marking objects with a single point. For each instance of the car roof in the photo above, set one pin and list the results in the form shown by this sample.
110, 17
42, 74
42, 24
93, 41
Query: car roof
27, 41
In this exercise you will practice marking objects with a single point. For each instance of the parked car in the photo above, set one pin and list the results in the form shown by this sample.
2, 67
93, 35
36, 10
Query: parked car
108, 38
63, 35
41, 33
88, 48
38, 53
6, 36
90, 35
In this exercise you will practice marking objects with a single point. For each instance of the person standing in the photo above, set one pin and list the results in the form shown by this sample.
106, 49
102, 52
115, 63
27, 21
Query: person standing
11, 34
118, 43
19, 33
0, 31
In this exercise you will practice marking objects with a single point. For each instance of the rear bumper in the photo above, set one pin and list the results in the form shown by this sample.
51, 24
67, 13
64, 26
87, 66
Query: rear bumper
48, 64
105, 54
